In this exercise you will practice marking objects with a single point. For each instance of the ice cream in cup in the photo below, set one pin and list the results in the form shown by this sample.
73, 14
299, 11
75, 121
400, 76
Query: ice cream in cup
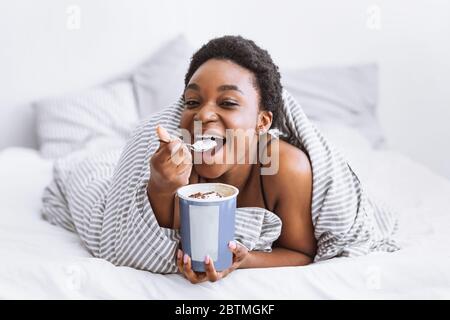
207, 218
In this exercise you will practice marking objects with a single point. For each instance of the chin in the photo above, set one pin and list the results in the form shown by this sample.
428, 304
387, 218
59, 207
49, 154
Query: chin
210, 171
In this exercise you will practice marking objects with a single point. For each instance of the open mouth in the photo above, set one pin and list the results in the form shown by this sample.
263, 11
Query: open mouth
220, 142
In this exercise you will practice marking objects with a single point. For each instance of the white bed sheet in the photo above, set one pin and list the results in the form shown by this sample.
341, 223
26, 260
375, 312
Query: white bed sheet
38, 260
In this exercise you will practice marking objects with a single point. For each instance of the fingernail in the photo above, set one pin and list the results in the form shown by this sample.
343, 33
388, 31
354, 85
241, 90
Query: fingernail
186, 258
179, 254
207, 259
232, 245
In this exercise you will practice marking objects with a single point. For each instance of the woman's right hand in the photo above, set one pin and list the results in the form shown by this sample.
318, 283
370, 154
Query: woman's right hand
170, 165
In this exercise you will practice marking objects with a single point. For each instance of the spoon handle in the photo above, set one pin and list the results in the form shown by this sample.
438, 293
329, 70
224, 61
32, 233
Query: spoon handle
190, 146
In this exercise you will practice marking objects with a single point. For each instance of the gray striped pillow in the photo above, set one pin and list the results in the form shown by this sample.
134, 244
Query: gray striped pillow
105, 114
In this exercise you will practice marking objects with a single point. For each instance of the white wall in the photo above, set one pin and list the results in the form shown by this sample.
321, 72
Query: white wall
40, 56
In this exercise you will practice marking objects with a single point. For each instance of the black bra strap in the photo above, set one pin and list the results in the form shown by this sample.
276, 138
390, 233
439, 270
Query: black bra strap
261, 180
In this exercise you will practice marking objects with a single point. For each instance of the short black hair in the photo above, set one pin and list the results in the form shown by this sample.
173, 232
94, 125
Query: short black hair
247, 54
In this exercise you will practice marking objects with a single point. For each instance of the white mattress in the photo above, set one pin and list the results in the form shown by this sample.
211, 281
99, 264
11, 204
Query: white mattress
38, 260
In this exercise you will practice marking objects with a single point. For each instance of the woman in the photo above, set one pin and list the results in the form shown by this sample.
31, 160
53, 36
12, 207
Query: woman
233, 84
123, 208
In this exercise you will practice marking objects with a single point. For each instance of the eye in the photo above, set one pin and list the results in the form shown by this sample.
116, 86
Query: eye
228, 104
189, 104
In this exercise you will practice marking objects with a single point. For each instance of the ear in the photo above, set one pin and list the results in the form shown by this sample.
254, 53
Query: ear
264, 121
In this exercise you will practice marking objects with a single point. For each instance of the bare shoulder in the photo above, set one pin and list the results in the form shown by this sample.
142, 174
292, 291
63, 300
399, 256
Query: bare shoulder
293, 159
293, 166
291, 189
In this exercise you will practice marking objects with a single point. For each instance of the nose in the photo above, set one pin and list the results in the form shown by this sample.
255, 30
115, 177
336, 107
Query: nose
207, 113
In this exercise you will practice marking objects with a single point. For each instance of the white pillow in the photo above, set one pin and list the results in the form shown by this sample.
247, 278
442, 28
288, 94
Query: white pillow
345, 95
106, 113
160, 80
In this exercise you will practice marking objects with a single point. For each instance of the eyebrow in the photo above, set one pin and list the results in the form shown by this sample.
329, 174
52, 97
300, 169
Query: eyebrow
192, 86
225, 87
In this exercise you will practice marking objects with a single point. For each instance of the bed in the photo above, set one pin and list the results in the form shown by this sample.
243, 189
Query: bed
42, 261
39, 260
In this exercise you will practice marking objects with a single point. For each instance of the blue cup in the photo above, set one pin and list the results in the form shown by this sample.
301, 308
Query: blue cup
208, 225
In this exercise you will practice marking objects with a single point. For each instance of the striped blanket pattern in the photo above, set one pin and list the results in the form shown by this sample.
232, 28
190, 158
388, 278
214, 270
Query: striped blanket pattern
102, 196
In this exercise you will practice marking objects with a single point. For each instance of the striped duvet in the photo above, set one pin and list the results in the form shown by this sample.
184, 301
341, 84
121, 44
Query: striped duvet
102, 197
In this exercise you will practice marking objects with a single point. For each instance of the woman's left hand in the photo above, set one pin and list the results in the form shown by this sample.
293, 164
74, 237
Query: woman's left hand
240, 253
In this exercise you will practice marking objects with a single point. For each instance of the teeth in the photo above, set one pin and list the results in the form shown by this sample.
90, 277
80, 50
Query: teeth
208, 137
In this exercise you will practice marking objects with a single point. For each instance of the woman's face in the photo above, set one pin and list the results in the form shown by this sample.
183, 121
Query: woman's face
221, 98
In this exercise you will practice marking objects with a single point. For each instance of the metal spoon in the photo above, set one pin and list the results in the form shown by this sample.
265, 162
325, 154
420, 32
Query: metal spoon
198, 146
202, 145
